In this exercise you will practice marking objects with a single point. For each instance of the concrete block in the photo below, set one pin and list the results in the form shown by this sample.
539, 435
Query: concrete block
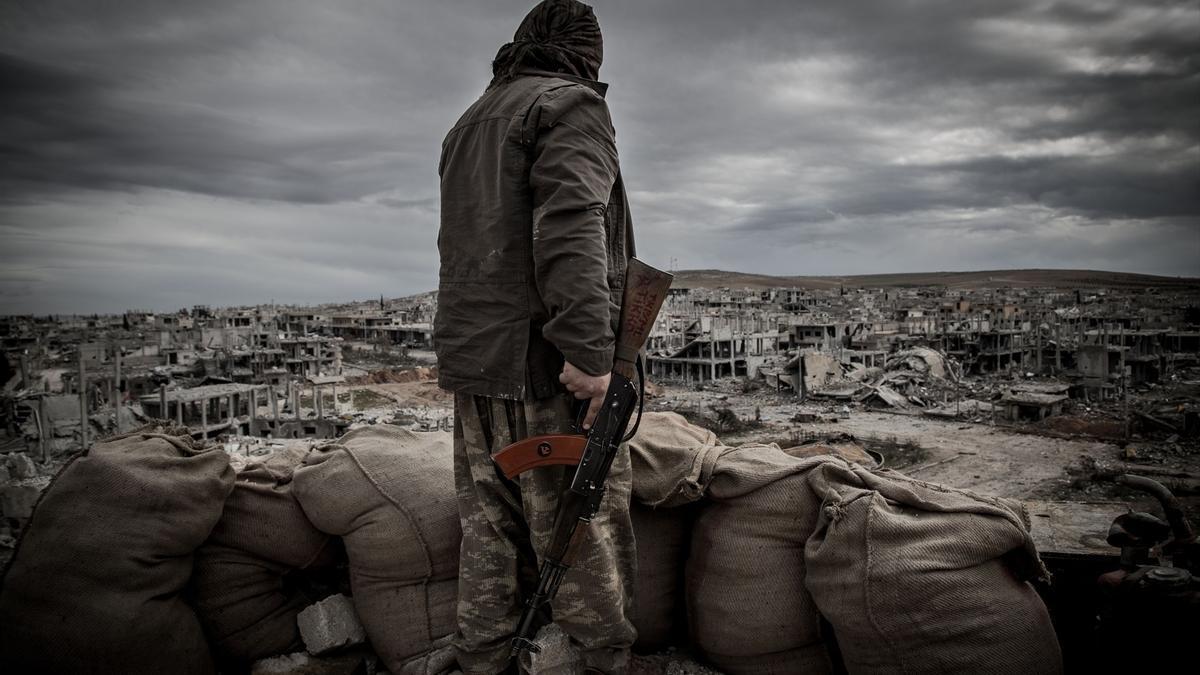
329, 625
21, 467
557, 656
16, 501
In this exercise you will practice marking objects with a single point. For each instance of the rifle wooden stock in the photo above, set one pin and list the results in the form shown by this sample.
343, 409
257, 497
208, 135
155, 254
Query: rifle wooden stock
535, 451
645, 290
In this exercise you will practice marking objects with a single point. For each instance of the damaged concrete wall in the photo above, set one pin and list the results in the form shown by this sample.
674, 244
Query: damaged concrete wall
818, 369
1093, 361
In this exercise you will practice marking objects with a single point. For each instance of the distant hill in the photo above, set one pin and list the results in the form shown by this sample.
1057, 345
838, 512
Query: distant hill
983, 279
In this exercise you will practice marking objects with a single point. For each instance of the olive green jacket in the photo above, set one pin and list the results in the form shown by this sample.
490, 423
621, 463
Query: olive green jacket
534, 240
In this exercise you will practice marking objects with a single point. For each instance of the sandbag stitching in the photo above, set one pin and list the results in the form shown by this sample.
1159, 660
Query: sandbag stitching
868, 594
416, 530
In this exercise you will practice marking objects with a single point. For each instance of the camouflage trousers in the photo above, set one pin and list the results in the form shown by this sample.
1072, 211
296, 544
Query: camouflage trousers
507, 525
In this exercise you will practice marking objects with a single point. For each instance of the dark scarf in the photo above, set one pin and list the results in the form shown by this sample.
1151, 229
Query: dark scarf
557, 36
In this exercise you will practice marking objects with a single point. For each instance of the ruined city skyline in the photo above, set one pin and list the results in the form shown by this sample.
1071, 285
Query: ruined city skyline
169, 154
948, 282
889, 341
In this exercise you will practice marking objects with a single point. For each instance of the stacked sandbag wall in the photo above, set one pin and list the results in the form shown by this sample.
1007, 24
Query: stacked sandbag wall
672, 462
748, 609
389, 494
794, 550
97, 581
743, 603
246, 586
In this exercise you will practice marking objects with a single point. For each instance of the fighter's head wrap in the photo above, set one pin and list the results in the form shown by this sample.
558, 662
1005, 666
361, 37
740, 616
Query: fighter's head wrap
559, 36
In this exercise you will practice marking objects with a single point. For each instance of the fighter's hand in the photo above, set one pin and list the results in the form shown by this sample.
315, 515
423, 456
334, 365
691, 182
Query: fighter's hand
585, 386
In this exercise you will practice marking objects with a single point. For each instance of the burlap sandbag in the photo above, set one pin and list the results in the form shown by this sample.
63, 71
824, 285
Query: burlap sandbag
847, 451
672, 460
239, 590
97, 579
389, 493
919, 578
748, 609
244, 606
663, 538
262, 516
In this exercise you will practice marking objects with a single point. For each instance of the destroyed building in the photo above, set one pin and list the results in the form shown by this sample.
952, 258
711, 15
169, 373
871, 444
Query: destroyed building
839, 343
835, 342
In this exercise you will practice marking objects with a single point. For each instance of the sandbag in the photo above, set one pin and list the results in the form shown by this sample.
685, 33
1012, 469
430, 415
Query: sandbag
97, 580
263, 518
242, 603
238, 590
748, 609
663, 538
389, 493
920, 578
672, 460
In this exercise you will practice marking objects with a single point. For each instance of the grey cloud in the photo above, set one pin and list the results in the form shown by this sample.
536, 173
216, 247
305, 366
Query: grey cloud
288, 148
63, 131
1090, 187
923, 66
422, 204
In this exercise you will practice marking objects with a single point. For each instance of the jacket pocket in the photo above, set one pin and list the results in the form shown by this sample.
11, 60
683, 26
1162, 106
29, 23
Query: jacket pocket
481, 333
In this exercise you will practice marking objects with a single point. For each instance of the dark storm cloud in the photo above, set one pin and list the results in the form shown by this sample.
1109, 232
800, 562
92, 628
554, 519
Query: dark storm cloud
178, 152
221, 98
62, 130
1091, 187
1123, 83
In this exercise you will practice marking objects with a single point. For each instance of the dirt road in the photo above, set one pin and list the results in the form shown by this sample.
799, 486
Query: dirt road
978, 457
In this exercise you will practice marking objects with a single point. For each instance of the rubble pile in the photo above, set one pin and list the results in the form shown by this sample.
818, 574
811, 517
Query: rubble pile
910, 379
22, 480
397, 376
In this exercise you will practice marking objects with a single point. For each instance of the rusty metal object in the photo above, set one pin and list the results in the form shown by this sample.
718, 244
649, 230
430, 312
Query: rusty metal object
1135, 534
1182, 548
1155, 607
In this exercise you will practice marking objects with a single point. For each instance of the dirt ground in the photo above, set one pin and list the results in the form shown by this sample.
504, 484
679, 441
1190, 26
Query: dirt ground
978, 457
1028, 462
1021, 463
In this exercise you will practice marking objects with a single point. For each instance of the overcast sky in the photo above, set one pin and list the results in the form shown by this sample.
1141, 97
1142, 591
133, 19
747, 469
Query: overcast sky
158, 154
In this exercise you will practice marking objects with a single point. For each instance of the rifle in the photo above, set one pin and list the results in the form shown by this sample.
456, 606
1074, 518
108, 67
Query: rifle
592, 454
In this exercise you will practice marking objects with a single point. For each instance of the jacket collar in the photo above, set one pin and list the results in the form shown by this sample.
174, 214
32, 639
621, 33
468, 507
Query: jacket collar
598, 87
